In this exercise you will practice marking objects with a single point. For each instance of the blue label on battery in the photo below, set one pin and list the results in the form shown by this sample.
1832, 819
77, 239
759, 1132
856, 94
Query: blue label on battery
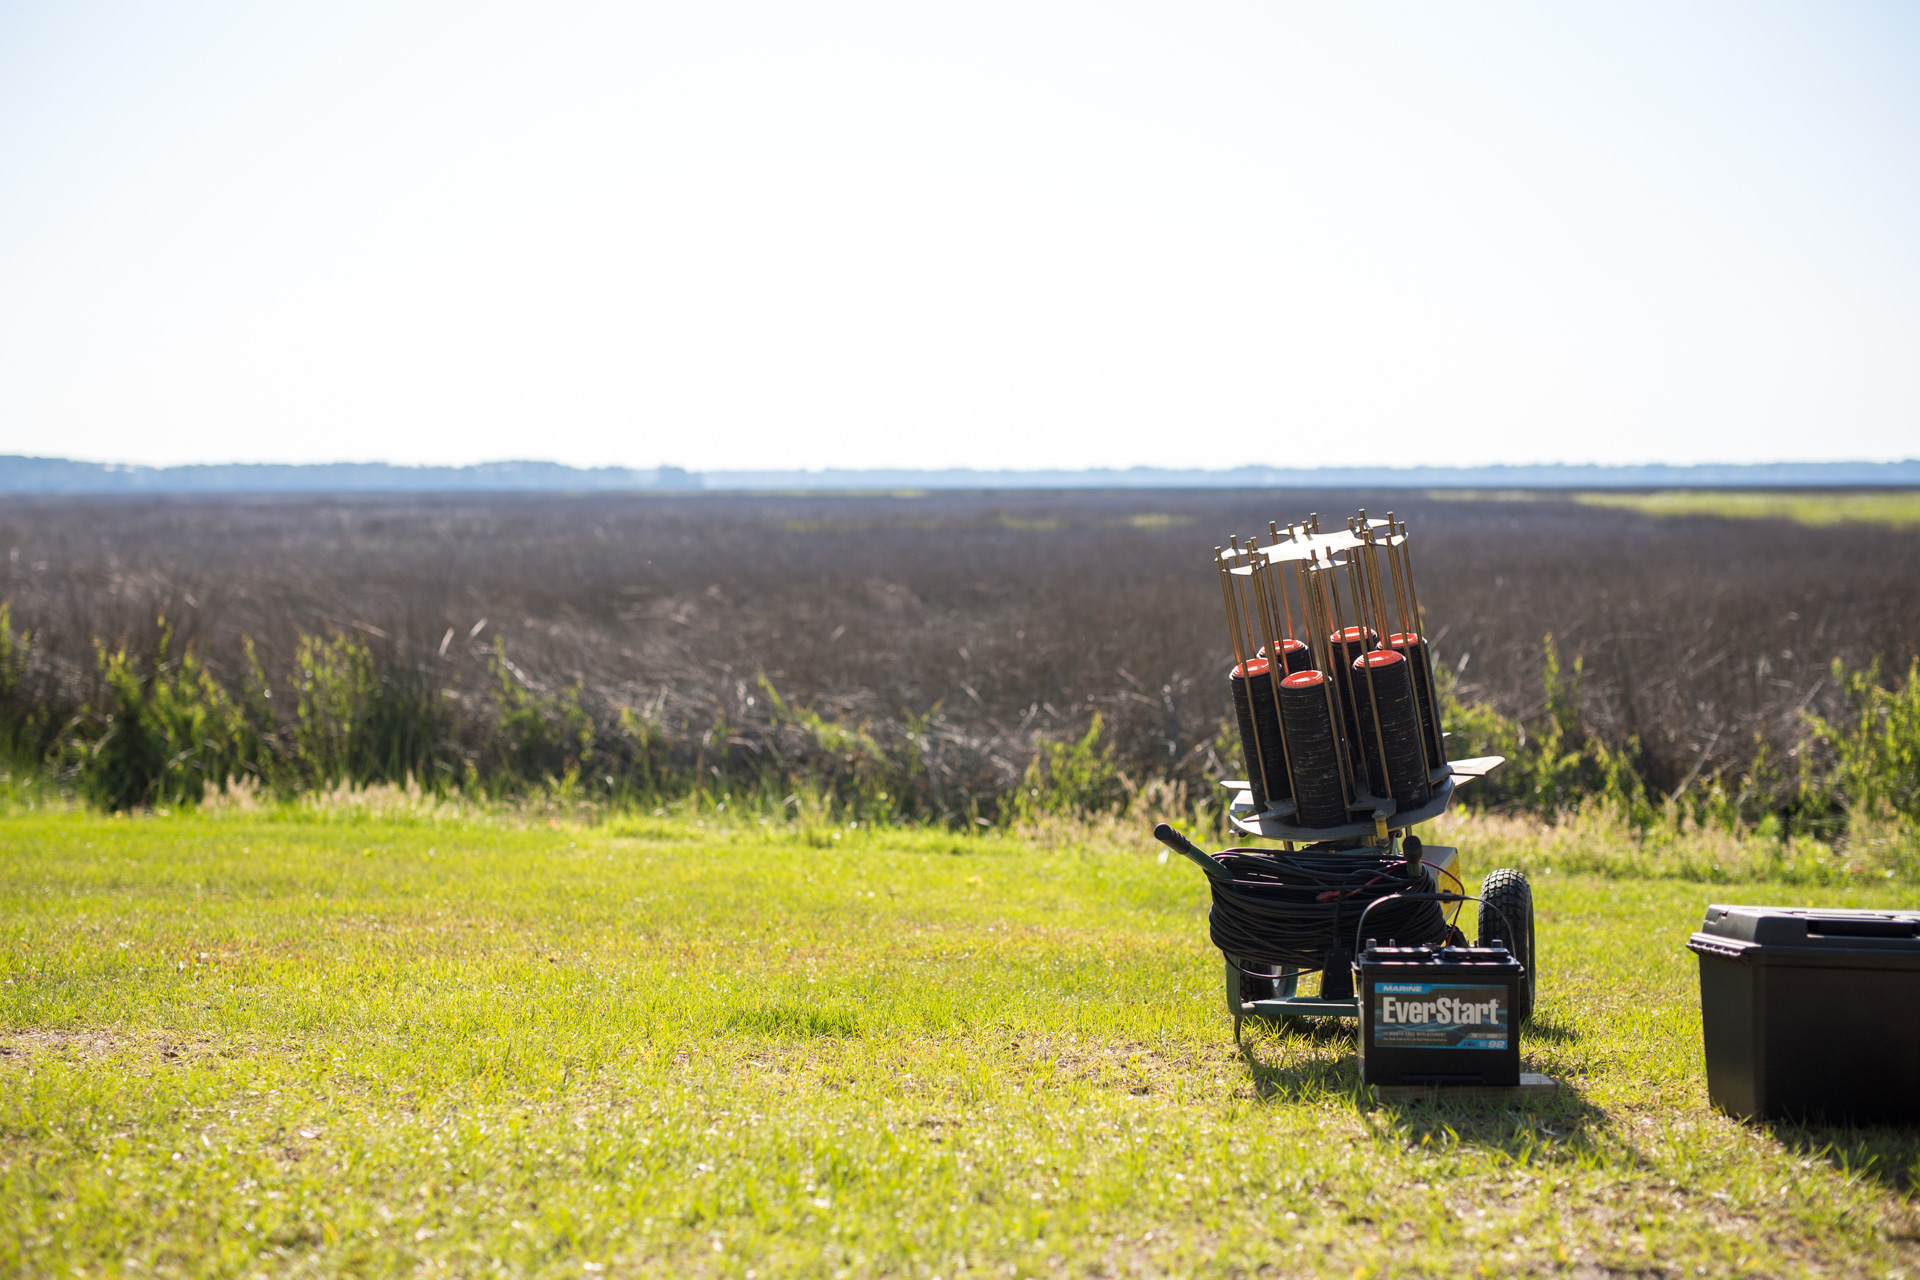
1439, 1015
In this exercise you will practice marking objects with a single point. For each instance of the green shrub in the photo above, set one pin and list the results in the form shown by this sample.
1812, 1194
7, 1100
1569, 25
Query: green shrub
1553, 764
162, 732
537, 738
843, 766
1877, 757
334, 688
646, 766
22, 718
1067, 778
356, 723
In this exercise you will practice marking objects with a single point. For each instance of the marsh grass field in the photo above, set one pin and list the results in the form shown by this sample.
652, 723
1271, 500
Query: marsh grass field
1893, 509
905, 654
430, 1043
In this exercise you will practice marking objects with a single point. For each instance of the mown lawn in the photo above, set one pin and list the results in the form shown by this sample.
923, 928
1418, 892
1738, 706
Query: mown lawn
244, 1045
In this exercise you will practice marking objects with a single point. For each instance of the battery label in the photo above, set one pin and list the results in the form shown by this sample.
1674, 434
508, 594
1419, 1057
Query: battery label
1439, 1015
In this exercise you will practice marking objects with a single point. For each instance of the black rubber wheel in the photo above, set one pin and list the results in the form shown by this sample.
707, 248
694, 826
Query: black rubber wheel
1256, 982
1506, 908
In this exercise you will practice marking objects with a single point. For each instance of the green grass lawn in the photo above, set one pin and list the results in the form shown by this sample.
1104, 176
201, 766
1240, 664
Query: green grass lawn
240, 1045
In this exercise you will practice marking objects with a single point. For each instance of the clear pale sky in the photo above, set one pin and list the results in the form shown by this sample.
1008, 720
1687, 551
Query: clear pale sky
1026, 235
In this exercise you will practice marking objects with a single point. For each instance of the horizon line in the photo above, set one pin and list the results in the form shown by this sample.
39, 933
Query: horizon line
25, 475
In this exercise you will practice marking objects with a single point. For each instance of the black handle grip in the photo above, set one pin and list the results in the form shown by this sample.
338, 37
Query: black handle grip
1186, 848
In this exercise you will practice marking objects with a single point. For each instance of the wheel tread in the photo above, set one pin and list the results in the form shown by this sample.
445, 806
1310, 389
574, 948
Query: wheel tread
1506, 895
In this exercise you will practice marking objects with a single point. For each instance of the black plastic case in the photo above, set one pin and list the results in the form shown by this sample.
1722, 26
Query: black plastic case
1811, 1013
1438, 1015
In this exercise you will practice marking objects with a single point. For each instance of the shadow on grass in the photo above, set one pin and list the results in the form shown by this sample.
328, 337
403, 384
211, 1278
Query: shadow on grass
1295, 1059
1547, 1032
1888, 1155
1317, 1059
1559, 1126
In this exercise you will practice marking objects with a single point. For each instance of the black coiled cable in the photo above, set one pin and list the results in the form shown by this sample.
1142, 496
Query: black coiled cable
1292, 908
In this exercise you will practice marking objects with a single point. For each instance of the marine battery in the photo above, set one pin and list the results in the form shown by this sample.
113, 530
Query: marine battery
1438, 1015
1811, 1013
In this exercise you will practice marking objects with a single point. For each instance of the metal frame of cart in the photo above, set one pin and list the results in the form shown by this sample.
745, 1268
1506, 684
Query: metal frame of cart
1386, 829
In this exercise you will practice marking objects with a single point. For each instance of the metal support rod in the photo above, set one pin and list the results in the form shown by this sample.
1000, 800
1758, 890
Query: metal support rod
1256, 579
1358, 585
1276, 670
1376, 594
1373, 692
1280, 581
1417, 628
1315, 648
1286, 604
1250, 606
1393, 571
1395, 539
1426, 644
1247, 604
1226, 598
1246, 678
1259, 761
1406, 551
1406, 656
1336, 651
